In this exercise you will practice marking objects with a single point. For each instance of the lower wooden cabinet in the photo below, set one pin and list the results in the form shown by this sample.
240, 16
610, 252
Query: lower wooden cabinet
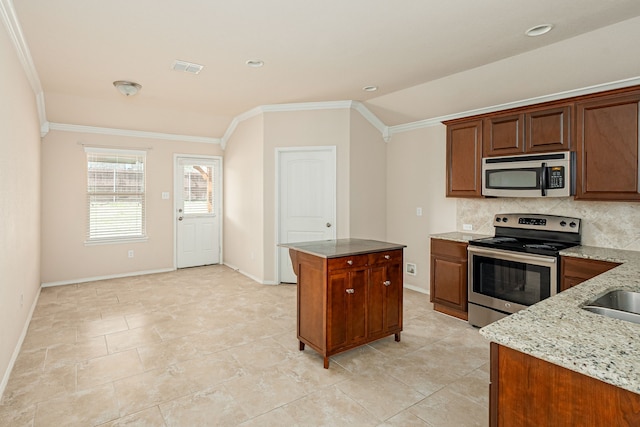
348, 301
577, 270
448, 291
526, 391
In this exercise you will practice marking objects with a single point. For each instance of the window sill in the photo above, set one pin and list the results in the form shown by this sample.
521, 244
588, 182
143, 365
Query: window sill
115, 241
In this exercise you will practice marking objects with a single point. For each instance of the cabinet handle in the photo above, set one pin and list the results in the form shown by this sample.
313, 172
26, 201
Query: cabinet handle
350, 291
350, 262
387, 257
387, 282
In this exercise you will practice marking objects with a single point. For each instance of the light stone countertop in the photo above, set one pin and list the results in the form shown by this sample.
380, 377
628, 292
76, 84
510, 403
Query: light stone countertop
559, 331
342, 247
458, 236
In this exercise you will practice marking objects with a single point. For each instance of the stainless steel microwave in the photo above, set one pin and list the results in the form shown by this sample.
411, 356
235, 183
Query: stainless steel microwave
529, 175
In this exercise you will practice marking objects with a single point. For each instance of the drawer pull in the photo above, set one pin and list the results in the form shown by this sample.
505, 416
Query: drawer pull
387, 257
350, 291
350, 262
387, 282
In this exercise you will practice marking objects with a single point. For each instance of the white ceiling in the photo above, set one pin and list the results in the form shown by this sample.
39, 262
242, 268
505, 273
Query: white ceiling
322, 50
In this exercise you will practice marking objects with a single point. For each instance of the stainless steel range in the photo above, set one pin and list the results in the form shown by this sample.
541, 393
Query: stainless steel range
519, 266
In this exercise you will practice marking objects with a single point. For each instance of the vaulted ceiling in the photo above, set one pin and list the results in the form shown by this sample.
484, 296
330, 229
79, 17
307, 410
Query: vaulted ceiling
312, 51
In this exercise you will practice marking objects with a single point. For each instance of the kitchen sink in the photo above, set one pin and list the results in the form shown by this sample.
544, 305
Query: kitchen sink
618, 304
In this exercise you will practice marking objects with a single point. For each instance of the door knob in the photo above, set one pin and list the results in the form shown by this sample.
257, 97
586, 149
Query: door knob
179, 218
328, 225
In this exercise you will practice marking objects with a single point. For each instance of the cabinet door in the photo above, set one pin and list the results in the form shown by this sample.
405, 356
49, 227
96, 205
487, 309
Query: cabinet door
607, 148
504, 135
548, 129
464, 159
578, 270
385, 299
347, 307
449, 282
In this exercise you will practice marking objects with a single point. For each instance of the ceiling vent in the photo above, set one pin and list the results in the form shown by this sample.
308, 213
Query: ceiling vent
187, 67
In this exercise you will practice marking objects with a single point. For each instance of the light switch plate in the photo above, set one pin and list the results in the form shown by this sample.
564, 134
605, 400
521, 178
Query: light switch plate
165, 195
467, 227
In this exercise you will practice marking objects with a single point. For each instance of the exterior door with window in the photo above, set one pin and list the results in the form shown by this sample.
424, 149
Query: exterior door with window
197, 197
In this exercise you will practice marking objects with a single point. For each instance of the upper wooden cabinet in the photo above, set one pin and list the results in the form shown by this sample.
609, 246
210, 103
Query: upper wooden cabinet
607, 151
531, 131
464, 159
504, 135
548, 129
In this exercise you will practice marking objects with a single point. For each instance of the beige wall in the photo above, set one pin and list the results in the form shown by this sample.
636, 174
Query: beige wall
368, 180
416, 178
303, 129
19, 204
244, 199
65, 257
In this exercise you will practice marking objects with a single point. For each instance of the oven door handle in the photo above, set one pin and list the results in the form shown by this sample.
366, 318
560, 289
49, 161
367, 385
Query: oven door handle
512, 255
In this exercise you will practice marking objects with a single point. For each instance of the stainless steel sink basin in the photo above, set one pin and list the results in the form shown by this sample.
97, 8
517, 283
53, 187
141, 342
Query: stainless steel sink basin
618, 304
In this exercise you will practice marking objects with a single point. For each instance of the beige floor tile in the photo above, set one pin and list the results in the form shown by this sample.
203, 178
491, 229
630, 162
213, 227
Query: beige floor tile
258, 393
209, 345
132, 338
150, 417
34, 387
108, 368
382, 395
329, 407
84, 408
149, 389
449, 409
20, 416
102, 327
211, 407
70, 354
211, 370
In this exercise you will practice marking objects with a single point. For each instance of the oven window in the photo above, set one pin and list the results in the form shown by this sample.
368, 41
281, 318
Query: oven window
511, 281
523, 179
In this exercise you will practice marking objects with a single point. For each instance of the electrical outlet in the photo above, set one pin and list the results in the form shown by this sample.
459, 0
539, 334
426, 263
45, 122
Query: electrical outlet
165, 195
21, 300
411, 269
418, 211
467, 227
130, 253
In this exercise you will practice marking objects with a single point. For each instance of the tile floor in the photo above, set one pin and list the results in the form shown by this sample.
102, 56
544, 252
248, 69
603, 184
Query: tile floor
207, 346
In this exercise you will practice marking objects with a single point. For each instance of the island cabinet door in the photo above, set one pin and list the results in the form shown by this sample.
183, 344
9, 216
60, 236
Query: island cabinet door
346, 308
385, 300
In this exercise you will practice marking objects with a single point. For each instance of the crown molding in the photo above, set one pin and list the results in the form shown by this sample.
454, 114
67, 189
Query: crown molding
307, 106
132, 133
11, 23
618, 84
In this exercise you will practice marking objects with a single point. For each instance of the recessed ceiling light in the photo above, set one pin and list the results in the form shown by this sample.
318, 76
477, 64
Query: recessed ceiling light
370, 88
539, 30
255, 63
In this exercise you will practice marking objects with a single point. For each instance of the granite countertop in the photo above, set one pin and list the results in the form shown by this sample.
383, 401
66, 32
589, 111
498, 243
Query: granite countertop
559, 331
342, 247
458, 236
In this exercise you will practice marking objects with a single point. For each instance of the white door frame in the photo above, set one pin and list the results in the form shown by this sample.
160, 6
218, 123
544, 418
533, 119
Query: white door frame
176, 159
333, 150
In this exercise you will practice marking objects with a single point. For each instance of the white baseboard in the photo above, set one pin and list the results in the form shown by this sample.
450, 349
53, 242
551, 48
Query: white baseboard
16, 351
417, 289
251, 276
112, 276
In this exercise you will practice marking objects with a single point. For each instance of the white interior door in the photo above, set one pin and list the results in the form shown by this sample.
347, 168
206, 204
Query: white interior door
307, 200
197, 197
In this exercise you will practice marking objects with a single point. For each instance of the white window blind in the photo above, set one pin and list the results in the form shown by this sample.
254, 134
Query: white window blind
115, 194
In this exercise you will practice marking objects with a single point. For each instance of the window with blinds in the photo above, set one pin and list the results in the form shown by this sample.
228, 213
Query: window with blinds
115, 194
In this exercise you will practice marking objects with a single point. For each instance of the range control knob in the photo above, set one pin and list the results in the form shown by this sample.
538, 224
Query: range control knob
498, 220
573, 224
563, 223
505, 219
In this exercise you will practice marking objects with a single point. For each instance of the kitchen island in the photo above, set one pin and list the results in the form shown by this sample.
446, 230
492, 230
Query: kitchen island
557, 364
349, 293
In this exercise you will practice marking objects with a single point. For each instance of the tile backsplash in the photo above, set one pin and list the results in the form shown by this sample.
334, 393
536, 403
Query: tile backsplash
604, 224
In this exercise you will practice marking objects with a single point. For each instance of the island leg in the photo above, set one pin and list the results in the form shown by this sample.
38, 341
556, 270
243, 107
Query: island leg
398, 337
301, 345
326, 362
